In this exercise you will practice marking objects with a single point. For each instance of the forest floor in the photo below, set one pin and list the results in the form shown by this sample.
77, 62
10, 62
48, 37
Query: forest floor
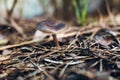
91, 53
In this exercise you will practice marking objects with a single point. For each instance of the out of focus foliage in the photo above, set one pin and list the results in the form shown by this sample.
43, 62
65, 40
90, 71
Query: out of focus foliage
74, 11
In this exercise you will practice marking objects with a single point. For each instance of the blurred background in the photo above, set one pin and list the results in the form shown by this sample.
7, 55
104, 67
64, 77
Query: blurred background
91, 48
74, 11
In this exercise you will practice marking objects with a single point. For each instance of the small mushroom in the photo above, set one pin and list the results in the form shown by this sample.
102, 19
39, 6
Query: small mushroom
105, 37
51, 27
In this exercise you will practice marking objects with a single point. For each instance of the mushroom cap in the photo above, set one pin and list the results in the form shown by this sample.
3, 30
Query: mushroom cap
105, 37
51, 26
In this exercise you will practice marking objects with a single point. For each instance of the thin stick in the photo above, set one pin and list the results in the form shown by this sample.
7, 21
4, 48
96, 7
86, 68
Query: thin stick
101, 20
63, 70
50, 53
17, 27
12, 21
41, 70
109, 12
16, 45
13, 6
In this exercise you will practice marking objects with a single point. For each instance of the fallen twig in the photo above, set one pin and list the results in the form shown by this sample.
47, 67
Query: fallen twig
12, 21
16, 45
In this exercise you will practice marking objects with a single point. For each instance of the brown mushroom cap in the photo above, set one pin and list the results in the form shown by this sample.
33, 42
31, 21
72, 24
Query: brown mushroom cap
50, 26
105, 37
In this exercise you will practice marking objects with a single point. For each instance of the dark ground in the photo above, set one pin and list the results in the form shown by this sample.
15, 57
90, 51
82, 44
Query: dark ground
92, 54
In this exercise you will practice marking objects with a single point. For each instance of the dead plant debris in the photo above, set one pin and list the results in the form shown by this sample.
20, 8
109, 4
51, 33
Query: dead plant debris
91, 55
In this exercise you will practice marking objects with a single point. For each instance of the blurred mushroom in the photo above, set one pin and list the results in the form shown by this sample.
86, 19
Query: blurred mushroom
105, 37
51, 27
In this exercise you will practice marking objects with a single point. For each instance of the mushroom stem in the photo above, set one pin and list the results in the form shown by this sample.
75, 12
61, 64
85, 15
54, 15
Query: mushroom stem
55, 40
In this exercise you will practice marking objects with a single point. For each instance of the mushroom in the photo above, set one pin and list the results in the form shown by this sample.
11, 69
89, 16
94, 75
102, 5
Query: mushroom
51, 27
105, 37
